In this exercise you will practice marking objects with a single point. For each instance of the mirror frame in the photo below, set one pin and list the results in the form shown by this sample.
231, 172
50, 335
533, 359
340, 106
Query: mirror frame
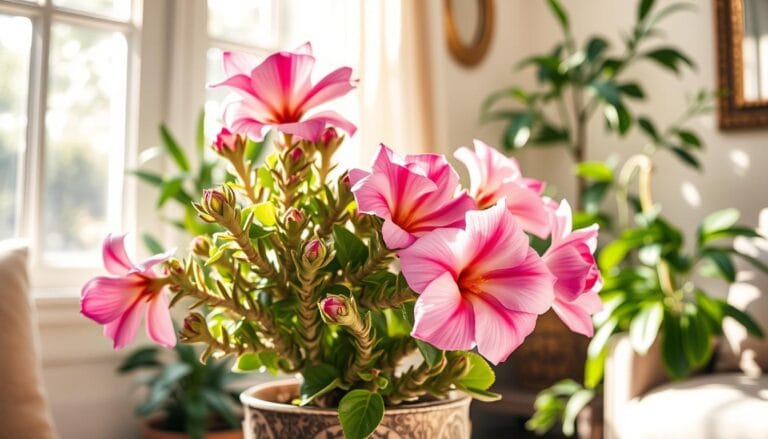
733, 110
471, 53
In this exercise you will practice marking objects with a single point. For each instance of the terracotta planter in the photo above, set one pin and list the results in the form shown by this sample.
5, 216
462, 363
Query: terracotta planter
151, 431
269, 415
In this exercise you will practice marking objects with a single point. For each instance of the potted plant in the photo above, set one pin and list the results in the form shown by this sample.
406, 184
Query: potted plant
185, 398
652, 286
373, 285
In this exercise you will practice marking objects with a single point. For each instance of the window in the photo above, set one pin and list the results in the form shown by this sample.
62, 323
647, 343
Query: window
64, 113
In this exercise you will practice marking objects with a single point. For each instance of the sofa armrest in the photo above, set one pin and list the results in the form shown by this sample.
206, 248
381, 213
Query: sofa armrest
628, 375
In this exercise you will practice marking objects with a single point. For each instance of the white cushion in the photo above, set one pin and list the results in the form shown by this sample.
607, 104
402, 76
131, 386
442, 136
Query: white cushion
718, 406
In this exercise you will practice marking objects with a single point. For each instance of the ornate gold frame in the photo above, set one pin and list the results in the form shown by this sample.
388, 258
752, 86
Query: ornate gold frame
734, 111
472, 53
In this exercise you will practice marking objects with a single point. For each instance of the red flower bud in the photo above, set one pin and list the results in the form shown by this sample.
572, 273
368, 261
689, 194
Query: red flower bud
334, 308
227, 141
293, 215
313, 250
329, 135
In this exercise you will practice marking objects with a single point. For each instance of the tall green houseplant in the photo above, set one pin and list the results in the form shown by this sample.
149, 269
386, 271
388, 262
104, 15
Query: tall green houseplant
650, 288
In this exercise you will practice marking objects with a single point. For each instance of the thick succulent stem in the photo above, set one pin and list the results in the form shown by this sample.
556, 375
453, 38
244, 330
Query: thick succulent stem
411, 384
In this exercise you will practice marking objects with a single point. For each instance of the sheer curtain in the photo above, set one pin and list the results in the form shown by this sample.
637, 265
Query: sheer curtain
395, 90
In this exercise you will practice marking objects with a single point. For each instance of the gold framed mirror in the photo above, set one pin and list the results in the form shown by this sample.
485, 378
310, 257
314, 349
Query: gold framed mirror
472, 52
742, 58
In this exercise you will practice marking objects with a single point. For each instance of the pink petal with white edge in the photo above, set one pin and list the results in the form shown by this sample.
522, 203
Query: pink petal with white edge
308, 129
374, 195
241, 84
499, 331
577, 314
116, 260
451, 214
123, 330
145, 266
334, 119
283, 79
355, 175
104, 298
332, 86
430, 257
239, 63
159, 323
442, 317
527, 287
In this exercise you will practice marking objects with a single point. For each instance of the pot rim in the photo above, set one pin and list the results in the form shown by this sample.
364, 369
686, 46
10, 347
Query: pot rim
457, 399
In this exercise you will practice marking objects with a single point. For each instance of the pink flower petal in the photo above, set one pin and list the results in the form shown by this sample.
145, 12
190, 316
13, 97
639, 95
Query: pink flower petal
334, 119
442, 317
395, 237
333, 85
571, 270
430, 257
241, 83
159, 323
309, 129
145, 266
494, 239
104, 298
116, 260
304, 49
283, 79
527, 287
355, 175
452, 214
528, 209
499, 331
239, 63
577, 314
123, 330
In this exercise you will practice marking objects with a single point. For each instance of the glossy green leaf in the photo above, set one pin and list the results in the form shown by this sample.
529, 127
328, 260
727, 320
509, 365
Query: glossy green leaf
724, 264
575, 405
151, 178
265, 213
689, 138
643, 8
141, 358
717, 221
647, 126
645, 326
360, 412
221, 405
670, 58
595, 47
559, 12
632, 89
518, 131
686, 157
480, 394
672, 351
696, 337
744, 320
595, 171
350, 250
480, 375
319, 379
431, 354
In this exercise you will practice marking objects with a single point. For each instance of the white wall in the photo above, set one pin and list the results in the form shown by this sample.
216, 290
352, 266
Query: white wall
734, 162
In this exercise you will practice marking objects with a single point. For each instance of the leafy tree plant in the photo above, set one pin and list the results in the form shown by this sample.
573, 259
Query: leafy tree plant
650, 289
299, 272
185, 391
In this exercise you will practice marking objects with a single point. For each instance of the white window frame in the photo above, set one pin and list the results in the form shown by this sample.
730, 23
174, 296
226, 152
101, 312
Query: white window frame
49, 279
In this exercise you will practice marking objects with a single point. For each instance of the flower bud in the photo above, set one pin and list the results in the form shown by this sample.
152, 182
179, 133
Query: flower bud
293, 215
195, 329
201, 246
217, 205
296, 154
174, 266
228, 143
314, 251
334, 308
214, 201
329, 135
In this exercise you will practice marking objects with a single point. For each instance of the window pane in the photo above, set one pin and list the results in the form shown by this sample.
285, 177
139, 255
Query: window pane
120, 9
15, 44
249, 22
85, 137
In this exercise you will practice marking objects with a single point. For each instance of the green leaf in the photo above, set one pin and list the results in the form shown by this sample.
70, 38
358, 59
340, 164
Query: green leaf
602, 335
360, 412
595, 171
730, 232
151, 244
672, 350
173, 149
161, 387
632, 89
148, 177
200, 135
608, 91
518, 131
480, 375
593, 196
350, 250
265, 213
144, 357
643, 8
696, 336
594, 368
221, 405
431, 354
647, 126
575, 404
723, 263
318, 380
717, 221
480, 395
559, 12
744, 320
595, 47
170, 189
669, 57
645, 326
689, 138
686, 156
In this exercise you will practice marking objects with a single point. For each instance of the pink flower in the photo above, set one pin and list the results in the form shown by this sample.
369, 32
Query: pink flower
118, 301
570, 258
334, 308
227, 141
494, 176
483, 285
278, 92
414, 195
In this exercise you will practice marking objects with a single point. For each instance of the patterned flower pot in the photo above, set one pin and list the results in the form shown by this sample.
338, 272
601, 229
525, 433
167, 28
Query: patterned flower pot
270, 415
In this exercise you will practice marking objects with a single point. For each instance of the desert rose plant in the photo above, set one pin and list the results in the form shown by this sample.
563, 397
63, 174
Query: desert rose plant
339, 276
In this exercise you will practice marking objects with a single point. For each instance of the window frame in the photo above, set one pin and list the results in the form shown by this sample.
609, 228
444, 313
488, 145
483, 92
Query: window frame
59, 279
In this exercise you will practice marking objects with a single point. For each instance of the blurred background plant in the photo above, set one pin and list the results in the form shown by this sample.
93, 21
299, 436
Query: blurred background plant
651, 284
185, 394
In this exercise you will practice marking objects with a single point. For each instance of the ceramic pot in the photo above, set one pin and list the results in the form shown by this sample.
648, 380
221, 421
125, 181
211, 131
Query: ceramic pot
270, 415
152, 431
